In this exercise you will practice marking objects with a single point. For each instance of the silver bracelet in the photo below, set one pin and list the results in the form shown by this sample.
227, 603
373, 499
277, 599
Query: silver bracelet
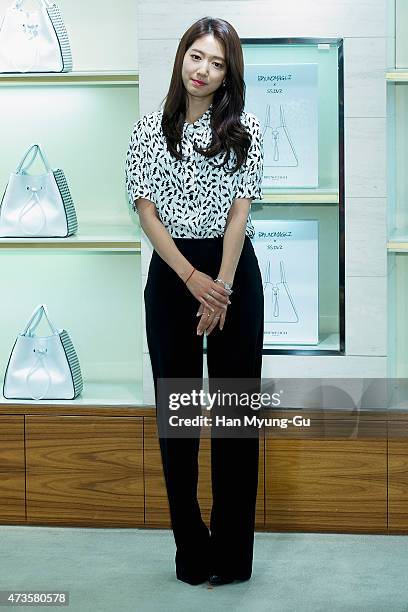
227, 286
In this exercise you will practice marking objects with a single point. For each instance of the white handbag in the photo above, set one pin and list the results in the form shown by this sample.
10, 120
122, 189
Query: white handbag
35, 41
36, 206
42, 367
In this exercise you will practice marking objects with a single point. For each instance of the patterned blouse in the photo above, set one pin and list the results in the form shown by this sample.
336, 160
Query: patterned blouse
192, 198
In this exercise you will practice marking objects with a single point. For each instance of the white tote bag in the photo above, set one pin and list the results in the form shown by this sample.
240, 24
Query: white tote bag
35, 206
35, 41
42, 367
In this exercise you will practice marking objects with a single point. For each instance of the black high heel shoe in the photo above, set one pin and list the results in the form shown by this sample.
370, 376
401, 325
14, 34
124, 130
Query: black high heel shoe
216, 580
190, 572
193, 580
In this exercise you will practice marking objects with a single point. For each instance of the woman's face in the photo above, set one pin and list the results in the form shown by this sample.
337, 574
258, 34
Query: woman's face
204, 61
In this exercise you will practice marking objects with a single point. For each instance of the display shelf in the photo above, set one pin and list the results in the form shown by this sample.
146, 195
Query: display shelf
71, 78
89, 281
328, 342
398, 241
127, 393
89, 237
397, 76
298, 196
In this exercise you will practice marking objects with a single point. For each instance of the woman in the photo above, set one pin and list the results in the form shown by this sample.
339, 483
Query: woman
193, 201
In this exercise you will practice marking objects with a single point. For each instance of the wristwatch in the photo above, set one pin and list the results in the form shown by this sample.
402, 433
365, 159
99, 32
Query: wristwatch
227, 286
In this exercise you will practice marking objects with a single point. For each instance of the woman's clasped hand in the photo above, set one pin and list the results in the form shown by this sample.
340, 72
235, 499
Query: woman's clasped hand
213, 298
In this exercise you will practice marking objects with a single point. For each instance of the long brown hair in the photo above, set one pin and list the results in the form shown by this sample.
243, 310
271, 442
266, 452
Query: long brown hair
228, 133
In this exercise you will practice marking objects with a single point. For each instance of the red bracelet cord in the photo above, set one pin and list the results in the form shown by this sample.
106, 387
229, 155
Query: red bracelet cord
185, 282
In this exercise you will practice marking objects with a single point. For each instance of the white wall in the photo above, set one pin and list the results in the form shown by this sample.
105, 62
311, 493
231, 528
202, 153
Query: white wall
367, 29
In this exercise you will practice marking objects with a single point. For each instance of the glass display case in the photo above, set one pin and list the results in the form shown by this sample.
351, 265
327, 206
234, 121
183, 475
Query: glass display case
295, 88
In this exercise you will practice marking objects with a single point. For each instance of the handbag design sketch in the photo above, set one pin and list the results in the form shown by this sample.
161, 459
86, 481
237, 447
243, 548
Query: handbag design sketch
279, 148
36, 206
42, 367
35, 41
279, 304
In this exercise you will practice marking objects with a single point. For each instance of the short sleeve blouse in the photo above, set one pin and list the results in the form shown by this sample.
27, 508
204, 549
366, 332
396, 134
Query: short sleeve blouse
191, 196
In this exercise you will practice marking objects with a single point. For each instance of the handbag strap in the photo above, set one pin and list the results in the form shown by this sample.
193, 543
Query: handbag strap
36, 318
268, 116
282, 272
282, 116
268, 273
34, 149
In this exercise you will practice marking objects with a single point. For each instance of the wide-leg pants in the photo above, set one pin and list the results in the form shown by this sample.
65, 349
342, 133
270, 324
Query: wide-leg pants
176, 351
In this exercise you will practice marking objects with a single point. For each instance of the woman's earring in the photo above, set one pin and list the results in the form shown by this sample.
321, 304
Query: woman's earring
223, 83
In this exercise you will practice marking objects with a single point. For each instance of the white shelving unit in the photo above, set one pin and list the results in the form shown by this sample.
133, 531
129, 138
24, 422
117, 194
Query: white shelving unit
397, 76
70, 78
90, 281
315, 196
96, 394
89, 237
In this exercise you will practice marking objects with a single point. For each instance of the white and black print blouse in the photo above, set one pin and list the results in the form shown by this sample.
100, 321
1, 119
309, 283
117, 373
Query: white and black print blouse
192, 198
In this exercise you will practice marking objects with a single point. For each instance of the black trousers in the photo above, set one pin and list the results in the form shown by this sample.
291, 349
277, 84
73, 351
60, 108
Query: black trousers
176, 351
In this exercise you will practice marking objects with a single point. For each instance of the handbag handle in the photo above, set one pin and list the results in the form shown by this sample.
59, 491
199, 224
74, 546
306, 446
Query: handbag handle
268, 273
34, 149
268, 117
19, 3
36, 318
282, 116
282, 272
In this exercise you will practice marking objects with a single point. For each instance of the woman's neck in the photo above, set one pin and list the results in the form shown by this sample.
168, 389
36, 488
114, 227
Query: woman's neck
196, 107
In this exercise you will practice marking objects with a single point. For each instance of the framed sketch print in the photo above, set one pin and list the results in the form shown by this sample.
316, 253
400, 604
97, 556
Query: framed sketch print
285, 99
287, 252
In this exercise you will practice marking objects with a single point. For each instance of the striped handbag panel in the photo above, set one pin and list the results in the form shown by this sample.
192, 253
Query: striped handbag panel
62, 35
72, 221
73, 362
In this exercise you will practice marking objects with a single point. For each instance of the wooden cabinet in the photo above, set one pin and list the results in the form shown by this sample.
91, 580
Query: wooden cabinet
323, 480
12, 469
85, 470
398, 476
102, 467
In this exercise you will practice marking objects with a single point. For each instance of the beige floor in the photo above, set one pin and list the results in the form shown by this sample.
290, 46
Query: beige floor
132, 570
